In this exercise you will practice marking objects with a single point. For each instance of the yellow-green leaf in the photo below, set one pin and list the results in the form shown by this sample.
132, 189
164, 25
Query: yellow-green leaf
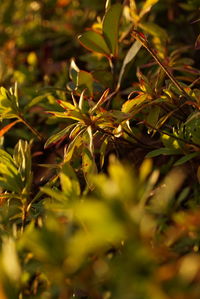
69, 182
130, 104
85, 80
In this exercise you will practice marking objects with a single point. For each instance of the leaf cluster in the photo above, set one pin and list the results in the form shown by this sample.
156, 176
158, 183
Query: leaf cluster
99, 149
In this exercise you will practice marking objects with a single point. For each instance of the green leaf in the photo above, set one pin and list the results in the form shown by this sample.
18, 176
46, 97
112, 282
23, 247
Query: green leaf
154, 29
22, 158
36, 100
54, 138
89, 139
85, 80
76, 142
103, 150
8, 162
8, 184
147, 7
130, 104
73, 71
107, 5
132, 52
186, 158
66, 105
8, 103
94, 42
57, 194
111, 27
192, 126
163, 151
153, 116
102, 100
76, 115
88, 166
69, 181
123, 181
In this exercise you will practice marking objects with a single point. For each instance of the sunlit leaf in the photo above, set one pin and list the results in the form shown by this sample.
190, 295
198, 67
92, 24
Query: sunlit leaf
8, 127
56, 194
22, 158
54, 138
129, 105
102, 151
36, 100
76, 142
101, 100
145, 169
147, 7
9, 255
132, 52
88, 166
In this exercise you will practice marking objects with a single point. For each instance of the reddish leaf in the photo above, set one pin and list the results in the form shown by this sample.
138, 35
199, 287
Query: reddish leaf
8, 127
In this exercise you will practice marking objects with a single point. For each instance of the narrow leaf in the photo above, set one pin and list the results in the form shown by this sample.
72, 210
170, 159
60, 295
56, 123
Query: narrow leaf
89, 166
54, 138
186, 158
163, 151
69, 181
132, 52
111, 27
101, 100
5, 129
130, 104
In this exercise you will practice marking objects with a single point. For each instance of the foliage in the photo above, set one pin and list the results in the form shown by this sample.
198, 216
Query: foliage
99, 149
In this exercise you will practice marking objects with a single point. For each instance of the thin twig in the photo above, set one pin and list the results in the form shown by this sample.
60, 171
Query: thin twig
33, 130
146, 44
169, 134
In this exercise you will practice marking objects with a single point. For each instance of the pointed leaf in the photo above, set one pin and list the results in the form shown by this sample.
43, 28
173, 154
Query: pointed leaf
163, 151
5, 129
54, 138
132, 52
147, 7
154, 29
186, 158
111, 27
94, 42
85, 80
89, 166
76, 142
101, 100
69, 181
130, 104
73, 71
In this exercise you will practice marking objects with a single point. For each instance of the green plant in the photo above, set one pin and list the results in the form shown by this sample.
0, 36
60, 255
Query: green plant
99, 188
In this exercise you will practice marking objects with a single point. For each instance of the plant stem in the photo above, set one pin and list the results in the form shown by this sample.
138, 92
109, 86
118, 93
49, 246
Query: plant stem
145, 44
24, 214
33, 130
171, 135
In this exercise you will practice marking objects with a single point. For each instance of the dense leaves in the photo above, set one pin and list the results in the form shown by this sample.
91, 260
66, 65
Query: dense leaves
99, 149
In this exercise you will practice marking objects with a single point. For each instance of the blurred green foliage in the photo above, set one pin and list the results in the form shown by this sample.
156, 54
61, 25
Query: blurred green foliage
99, 149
